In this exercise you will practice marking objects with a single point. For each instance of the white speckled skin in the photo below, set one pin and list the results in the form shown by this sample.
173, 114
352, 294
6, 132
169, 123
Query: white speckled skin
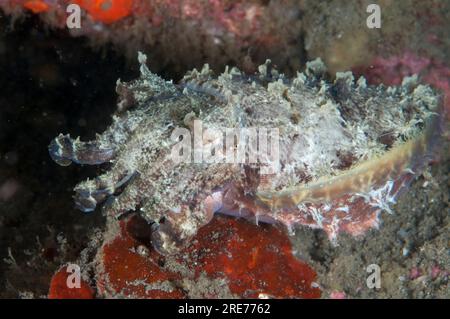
326, 129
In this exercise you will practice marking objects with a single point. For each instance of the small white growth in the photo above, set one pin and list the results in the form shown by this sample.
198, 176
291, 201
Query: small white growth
380, 197
344, 209
316, 215
334, 230
326, 207
189, 227
257, 219
143, 251
290, 228
10, 260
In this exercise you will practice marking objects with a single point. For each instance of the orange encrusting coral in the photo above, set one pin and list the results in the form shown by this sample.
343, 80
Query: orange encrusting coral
257, 260
106, 11
239, 17
253, 260
36, 6
124, 271
60, 290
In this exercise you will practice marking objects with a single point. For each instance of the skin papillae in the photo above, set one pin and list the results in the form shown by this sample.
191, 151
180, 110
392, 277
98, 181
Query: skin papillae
346, 150
406, 158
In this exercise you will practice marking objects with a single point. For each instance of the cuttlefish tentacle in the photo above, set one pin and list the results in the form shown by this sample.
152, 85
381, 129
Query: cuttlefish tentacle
64, 150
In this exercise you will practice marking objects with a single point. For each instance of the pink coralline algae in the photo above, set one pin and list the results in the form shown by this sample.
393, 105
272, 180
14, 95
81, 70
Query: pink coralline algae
338, 295
345, 150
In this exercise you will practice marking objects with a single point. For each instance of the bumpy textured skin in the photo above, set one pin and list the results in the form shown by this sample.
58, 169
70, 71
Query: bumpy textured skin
346, 150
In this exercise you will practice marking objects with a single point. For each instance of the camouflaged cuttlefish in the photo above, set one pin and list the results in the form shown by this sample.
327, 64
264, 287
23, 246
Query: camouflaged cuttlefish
344, 150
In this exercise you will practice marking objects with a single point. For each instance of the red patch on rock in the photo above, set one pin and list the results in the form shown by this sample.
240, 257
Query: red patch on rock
255, 261
36, 6
106, 11
129, 268
59, 289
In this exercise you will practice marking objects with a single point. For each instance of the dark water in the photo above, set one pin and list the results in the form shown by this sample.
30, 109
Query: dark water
50, 84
